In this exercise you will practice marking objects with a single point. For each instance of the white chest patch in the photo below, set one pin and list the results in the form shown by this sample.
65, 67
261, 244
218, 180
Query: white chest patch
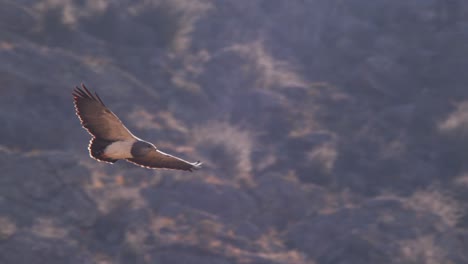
119, 149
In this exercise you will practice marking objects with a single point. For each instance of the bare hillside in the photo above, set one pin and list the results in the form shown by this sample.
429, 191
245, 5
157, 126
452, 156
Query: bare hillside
331, 131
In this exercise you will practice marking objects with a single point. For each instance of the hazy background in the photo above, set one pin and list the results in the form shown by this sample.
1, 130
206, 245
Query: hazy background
332, 132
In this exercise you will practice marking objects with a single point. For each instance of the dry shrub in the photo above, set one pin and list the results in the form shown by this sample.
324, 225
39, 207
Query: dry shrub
454, 134
323, 157
54, 24
226, 148
7, 228
164, 19
422, 250
271, 72
456, 123
172, 21
438, 203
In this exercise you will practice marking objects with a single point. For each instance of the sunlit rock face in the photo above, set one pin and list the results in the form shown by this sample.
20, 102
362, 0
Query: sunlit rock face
330, 131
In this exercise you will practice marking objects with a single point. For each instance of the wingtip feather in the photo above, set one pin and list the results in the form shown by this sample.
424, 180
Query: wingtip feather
85, 93
196, 166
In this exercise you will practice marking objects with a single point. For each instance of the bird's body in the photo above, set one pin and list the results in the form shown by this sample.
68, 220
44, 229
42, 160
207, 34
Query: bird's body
112, 141
121, 149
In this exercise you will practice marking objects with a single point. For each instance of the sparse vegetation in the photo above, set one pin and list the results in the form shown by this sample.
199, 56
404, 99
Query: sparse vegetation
331, 131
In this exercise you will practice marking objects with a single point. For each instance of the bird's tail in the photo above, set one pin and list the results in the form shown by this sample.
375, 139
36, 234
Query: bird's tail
96, 149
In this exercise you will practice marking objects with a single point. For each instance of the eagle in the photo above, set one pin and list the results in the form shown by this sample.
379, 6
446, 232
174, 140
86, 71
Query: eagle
112, 141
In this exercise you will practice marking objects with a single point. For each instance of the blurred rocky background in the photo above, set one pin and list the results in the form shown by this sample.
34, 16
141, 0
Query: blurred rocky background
332, 131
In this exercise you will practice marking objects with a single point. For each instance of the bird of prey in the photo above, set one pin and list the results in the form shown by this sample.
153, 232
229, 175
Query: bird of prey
112, 141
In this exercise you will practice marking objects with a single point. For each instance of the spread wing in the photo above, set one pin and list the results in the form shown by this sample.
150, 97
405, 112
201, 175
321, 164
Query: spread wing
97, 118
158, 159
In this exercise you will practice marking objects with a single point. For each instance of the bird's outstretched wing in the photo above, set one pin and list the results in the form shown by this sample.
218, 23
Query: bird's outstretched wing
97, 118
159, 159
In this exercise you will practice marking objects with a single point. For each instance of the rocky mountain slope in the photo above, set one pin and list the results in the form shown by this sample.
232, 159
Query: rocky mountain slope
331, 131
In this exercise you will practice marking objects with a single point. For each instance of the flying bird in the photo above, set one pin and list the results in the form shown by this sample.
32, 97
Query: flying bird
112, 141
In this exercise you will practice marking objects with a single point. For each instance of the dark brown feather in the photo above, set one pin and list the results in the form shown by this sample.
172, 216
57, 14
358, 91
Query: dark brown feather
97, 118
160, 160
97, 147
